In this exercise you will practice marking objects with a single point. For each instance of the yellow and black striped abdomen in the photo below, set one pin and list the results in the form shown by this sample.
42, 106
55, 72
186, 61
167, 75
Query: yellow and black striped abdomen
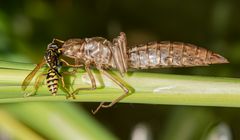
52, 81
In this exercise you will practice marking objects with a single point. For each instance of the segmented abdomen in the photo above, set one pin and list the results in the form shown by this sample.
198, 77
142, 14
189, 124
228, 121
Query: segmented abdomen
52, 81
171, 54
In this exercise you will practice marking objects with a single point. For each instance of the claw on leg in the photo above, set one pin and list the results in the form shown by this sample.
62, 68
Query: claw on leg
98, 108
38, 82
70, 96
32, 93
126, 91
103, 105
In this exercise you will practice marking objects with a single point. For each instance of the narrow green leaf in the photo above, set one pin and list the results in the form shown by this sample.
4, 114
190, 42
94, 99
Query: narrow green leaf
13, 128
61, 121
150, 88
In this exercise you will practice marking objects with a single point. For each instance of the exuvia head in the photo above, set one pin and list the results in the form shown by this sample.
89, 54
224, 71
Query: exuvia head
53, 52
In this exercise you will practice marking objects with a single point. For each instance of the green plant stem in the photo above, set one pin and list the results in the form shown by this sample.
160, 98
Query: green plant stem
150, 88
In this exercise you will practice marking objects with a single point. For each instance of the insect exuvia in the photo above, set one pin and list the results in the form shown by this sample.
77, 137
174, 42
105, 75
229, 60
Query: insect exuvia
104, 54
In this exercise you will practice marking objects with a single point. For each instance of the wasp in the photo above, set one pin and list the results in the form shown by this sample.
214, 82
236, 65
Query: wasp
53, 76
104, 54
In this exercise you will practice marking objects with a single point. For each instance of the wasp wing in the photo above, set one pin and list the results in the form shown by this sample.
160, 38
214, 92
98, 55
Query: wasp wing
30, 76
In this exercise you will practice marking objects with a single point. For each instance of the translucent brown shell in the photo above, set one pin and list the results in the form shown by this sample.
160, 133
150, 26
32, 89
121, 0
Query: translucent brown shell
171, 54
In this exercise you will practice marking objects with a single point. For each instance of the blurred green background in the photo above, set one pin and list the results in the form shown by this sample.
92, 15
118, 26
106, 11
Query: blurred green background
26, 27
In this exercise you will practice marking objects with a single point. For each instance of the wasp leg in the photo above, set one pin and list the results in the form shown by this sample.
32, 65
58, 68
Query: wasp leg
66, 90
38, 82
125, 89
71, 73
58, 41
92, 79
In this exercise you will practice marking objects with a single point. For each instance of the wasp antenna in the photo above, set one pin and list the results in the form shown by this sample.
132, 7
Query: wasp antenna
55, 40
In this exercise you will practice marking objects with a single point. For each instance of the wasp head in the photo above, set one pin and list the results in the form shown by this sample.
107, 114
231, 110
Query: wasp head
53, 52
